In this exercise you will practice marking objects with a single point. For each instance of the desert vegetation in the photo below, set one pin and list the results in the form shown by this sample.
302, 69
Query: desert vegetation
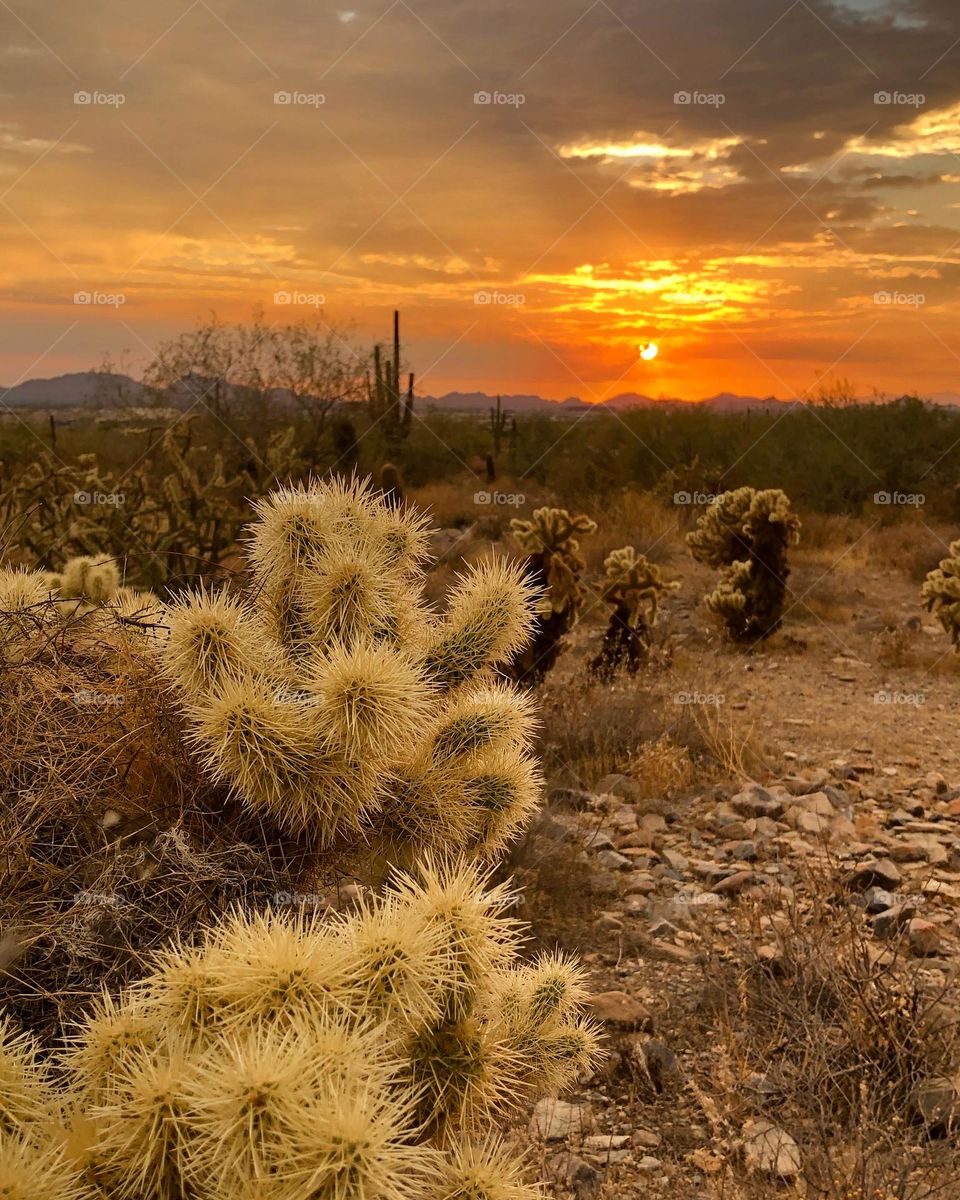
368, 836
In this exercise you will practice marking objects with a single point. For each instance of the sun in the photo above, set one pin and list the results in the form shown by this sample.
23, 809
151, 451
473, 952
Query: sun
649, 351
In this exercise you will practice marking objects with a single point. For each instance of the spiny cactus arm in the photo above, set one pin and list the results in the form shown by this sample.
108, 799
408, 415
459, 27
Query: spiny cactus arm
490, 618
486, 1170
91, 579
474, 720
372, 699
26, 1093
503, 790
214, 638
35, 1168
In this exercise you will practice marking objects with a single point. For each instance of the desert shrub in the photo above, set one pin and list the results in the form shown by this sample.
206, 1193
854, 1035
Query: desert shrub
843, 1043
634, 589
553, 565
283, 1057
333, 703
746, 534
940, 593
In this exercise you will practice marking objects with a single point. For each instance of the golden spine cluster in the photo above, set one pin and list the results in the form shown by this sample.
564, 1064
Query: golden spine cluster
364, 1058
332, 700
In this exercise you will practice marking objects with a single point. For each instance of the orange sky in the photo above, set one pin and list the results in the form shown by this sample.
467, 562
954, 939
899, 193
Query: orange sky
718, 176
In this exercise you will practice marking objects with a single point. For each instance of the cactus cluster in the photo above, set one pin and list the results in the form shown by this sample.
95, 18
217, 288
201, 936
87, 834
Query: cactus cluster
86, 583
334, 702
746, 534
391, 408
366, 1058
553, 564
635, 588
940, 593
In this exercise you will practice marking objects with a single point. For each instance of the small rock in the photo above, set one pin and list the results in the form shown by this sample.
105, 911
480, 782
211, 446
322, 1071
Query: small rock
648, 1164
574, 1175
619, 1009
675, 861
924, 937
610, 860
554, 1120
877, 899
770, 1149
877, 873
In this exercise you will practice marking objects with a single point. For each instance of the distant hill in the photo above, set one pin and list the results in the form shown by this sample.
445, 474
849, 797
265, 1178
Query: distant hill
88, 388
71, 391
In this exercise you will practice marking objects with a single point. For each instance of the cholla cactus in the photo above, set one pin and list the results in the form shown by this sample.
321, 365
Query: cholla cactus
85, 584
634, 588
366, 1057
551, 542
940, 593
746, 533
331, 700
32, 1163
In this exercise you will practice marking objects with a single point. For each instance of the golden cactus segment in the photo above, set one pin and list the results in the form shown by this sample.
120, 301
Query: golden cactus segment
26, 1095
20, 589
489, 715
111, 1032
214, 639
141, 1126
271, 967
33, 1170
90, 579
371, 699
488, 620
503, 789
399, 965
483, 1171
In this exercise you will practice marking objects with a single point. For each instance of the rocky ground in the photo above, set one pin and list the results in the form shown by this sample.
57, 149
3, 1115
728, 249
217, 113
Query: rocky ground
671, 880
854, 814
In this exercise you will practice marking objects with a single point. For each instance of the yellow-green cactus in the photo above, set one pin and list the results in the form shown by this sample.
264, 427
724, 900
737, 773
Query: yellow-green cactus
635, 588
330, 698
551, 542
746, 534
940, 593
371, 1057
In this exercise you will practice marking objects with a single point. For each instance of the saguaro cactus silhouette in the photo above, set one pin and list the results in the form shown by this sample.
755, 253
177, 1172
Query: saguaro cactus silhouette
390, 408
746, 534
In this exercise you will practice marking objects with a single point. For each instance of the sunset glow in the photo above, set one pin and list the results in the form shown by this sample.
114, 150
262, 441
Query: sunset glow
777, 204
